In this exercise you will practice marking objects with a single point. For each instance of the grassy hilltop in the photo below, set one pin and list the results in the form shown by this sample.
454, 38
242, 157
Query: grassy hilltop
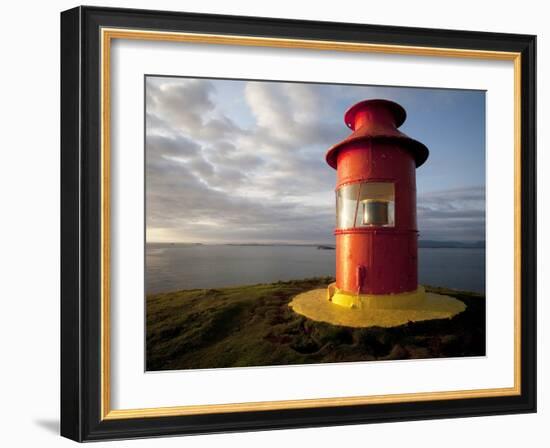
253, 326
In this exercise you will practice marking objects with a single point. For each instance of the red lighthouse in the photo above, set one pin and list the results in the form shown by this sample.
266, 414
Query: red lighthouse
376, 230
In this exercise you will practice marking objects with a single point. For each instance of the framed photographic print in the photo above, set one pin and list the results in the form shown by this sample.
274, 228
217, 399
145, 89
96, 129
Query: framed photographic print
274, 223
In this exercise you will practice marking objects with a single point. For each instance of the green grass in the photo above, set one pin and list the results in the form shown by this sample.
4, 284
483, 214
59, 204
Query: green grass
253, 326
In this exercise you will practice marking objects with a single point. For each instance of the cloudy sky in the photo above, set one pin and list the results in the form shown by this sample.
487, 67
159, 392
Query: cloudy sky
243, 161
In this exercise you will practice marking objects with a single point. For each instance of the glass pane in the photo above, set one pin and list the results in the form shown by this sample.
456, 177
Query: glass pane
365, 204
346, 205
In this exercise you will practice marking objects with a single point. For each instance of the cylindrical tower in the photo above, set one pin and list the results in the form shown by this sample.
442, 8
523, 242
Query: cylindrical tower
376, 230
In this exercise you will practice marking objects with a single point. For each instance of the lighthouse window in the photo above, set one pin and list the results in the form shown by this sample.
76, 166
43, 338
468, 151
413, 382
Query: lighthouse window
365, 204
346, 204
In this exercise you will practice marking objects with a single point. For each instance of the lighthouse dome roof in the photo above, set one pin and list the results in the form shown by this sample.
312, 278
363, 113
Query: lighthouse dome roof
377, 120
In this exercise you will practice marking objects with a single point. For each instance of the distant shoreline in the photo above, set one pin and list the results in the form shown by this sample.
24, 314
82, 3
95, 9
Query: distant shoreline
422, 244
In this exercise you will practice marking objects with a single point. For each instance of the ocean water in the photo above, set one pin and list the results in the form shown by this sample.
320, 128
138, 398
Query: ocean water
175, 267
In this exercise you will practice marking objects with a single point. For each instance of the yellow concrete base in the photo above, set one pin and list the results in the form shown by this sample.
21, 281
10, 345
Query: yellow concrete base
406, 300
374, 310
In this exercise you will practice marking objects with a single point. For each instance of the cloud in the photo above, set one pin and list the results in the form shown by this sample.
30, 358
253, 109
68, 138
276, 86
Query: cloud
231, 183
256, 171
291, 115
457, 214
185, 105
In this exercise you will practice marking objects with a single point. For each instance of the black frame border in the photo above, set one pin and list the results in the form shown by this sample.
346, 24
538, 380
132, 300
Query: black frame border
81, 223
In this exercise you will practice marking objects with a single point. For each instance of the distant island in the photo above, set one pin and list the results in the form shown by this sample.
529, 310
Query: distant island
430, 244
423, 244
